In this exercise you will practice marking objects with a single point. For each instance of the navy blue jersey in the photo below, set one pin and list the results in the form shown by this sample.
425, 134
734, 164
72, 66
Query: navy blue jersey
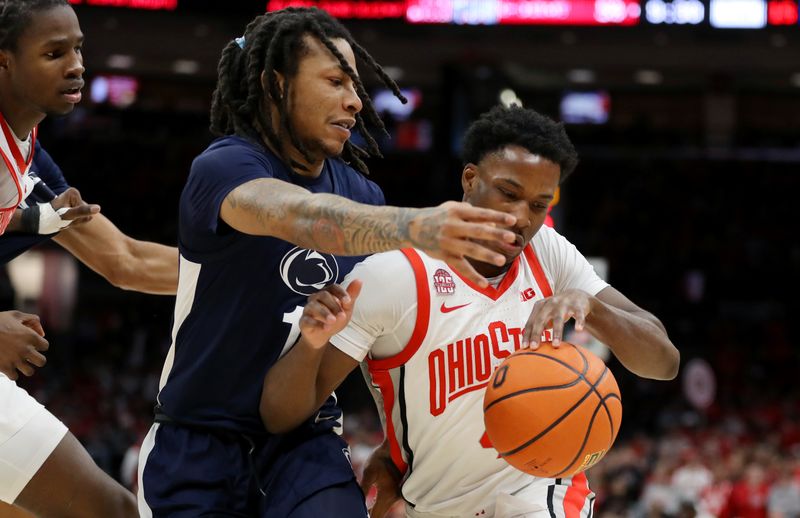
240, 296
49, 183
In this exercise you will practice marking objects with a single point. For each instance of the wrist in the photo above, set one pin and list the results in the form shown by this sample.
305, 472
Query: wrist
412, 230
596, 306
29, 220
313, 344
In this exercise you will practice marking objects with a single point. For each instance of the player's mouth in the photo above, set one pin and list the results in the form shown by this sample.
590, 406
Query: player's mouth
513, 248
343, 126
73, 93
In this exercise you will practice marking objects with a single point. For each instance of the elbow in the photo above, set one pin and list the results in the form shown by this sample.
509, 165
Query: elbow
119, 269
668, 367
275, 425
673, 364
121, 276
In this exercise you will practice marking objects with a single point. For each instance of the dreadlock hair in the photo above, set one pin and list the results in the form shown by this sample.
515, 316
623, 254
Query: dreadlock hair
15, 16
517, 126
274, 42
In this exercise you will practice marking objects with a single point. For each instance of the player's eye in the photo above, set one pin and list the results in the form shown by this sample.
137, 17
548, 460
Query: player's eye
335, 81
507, 194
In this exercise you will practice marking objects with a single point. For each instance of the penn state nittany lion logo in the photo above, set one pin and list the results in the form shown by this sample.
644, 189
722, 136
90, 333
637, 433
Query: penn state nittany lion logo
308, 271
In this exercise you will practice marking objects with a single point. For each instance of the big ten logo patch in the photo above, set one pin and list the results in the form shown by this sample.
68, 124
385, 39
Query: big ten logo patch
527, 294
443, 282
591, 459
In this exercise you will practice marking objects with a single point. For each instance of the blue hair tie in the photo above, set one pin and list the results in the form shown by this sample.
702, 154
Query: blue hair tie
240, 41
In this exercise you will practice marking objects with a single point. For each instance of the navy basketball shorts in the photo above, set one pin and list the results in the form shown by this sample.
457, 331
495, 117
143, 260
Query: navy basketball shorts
189, 473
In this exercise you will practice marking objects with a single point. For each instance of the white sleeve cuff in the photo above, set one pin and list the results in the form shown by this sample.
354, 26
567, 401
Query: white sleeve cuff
354, 342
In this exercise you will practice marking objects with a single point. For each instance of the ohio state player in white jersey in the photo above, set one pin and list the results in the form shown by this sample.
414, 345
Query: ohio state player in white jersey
455, 334
432, 339
15, 161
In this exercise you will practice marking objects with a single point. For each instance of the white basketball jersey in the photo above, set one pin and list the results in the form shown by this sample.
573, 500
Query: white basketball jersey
462, 333
15, 163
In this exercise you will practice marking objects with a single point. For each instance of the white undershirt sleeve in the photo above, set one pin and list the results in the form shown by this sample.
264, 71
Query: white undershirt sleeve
567, 266
385, 311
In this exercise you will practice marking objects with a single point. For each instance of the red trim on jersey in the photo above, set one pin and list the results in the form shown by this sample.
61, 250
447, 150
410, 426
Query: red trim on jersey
538, 272
22, 164
466, 390
423, 316
15, 177
490, 291
5, 219
384, 382
576, 495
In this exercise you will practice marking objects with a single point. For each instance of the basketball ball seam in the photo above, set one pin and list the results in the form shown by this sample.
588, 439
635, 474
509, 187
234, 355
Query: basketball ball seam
580, 369
585, 440
592, 389
589, 431
613, 395
550, 427
534, 389
581, 375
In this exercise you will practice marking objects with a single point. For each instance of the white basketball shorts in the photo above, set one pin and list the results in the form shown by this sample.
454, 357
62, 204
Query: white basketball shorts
28, 435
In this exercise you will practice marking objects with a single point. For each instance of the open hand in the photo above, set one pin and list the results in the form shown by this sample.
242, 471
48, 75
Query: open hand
78, 210
327, 312
21, 340
555, 311
454, 231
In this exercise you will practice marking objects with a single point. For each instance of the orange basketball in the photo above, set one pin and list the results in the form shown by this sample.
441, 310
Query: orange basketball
552, 412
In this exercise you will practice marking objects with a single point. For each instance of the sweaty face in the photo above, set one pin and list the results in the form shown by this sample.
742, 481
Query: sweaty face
323, 101
45, 72
515, 181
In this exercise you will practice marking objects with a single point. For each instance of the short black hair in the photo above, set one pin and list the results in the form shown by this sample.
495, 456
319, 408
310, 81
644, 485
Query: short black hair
15, 15
516, 126
274, 42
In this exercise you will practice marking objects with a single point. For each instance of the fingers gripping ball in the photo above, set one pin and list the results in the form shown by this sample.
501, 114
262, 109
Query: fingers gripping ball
552, 412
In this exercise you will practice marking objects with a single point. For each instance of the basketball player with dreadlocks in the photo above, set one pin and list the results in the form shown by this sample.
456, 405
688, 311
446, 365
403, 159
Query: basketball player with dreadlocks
271, 213
43, 468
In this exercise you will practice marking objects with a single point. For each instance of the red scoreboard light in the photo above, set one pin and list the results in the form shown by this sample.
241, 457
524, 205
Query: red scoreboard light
481, 12
167, 5
782, 12
348, 8
525, 12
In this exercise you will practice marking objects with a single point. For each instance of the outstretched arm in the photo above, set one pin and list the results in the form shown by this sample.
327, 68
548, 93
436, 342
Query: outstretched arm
297, 385
125, 262
636, 337
332, 224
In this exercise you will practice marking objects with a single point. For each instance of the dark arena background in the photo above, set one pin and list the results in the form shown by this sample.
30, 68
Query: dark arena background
685, 114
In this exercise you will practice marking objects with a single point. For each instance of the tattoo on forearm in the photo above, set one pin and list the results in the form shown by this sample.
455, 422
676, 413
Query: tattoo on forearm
429, 223
334, 224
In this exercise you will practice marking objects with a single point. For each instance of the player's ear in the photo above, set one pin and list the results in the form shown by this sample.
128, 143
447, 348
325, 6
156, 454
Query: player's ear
265, 82
469, 176
4, 59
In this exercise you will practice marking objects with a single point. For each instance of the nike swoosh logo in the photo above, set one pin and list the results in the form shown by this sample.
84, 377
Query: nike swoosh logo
445, 309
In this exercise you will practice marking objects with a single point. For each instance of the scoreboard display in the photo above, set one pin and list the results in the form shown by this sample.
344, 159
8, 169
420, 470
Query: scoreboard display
720, 14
